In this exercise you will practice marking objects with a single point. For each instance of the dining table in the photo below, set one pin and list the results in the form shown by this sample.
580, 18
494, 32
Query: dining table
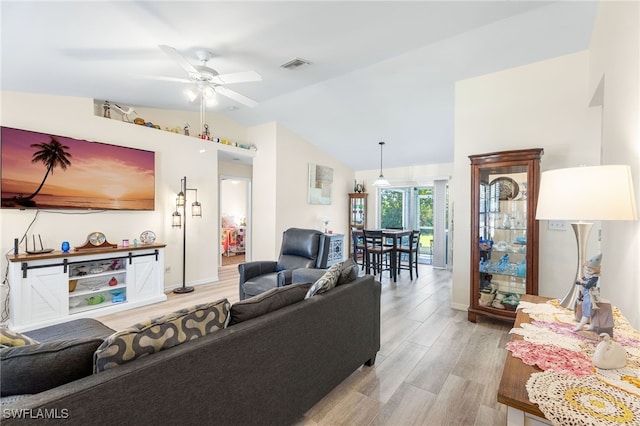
394, 238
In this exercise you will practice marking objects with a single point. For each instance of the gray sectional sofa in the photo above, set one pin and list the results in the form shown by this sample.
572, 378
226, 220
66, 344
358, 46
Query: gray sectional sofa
269, 369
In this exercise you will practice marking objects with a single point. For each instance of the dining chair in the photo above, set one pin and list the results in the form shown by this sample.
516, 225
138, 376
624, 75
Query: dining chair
409, 252
376, 253
357, 239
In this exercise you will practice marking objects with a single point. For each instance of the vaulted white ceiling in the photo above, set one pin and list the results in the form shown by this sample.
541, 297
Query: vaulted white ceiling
380, 70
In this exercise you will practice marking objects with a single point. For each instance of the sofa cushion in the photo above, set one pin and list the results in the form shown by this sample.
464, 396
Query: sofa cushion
270, 300
81, 328
10, 338
161, 333
348, 272
326, 282
36, 368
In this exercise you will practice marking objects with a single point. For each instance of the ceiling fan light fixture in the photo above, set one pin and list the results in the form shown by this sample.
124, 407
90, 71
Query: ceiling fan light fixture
191, 93
211, 101
208, 92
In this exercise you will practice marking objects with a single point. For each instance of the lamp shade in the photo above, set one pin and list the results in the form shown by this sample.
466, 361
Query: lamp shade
180, 199
196, 209
176, 219
381, 181
587, 194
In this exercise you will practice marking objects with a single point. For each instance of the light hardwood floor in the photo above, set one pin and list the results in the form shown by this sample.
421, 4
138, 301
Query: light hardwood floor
434, 367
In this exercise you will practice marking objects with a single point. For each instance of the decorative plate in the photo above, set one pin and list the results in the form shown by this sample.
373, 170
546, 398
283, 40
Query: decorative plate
147, 237
507, 188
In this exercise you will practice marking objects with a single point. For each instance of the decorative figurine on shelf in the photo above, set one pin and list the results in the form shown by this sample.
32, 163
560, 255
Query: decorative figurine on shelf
205, 133
325, 220
65, 246
590, 293
186, 129
107, 109
504, 264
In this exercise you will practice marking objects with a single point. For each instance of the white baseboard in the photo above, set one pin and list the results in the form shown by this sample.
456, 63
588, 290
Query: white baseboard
209, 280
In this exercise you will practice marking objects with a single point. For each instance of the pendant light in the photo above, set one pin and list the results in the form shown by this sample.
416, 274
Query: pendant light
381, 181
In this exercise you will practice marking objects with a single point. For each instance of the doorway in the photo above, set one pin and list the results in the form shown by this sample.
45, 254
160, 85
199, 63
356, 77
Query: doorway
235, 207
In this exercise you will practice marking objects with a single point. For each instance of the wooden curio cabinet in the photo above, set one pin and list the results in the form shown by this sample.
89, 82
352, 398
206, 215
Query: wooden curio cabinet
357, 214
504, 232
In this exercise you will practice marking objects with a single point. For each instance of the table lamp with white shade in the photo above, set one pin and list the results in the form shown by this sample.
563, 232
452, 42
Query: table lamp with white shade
582, 195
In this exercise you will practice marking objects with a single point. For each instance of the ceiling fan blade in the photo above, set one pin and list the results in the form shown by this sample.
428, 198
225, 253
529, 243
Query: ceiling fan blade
178, 58
236, 96
174, 79
237, 77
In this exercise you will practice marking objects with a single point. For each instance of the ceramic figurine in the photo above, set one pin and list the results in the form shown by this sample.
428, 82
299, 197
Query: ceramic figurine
609, 355
589, 281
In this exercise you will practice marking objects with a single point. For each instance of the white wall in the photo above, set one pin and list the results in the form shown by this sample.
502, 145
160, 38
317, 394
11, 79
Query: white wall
176, 156
280, 193
263, 193
615, 51
542, 105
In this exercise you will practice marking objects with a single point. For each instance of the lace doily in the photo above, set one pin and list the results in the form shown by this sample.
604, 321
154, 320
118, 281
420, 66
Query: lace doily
545, 336
548, 311
627, 379
573, 401
623, 327
538, 309
553, 358
562, 328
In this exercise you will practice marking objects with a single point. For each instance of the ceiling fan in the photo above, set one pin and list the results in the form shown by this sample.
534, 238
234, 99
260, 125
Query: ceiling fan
206, 80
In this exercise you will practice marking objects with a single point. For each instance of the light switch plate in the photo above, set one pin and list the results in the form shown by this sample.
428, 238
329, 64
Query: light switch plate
558, 225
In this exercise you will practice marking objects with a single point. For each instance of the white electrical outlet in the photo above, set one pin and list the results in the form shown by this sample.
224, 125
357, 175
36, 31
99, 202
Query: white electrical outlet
558, 225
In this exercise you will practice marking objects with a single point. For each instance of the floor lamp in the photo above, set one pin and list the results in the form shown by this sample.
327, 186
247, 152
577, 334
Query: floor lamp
582, 195
178, 222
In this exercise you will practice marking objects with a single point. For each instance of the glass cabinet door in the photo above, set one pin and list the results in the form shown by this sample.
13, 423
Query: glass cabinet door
357, 214
504, 260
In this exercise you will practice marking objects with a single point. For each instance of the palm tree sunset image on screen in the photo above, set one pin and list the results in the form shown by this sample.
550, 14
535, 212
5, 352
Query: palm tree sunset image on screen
50, 154
57, 172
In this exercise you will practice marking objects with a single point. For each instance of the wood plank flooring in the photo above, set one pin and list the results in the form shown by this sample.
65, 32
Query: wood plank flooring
434, 367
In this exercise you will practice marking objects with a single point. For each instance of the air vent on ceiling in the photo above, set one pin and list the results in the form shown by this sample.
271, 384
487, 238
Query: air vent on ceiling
295, 63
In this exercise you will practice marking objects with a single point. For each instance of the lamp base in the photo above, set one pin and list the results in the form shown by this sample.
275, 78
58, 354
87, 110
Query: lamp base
183, 290
582, 231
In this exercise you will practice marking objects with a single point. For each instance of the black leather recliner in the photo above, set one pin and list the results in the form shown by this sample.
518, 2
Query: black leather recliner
301, 248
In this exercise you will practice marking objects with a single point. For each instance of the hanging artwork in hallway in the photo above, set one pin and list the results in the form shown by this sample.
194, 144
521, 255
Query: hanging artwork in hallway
320, 182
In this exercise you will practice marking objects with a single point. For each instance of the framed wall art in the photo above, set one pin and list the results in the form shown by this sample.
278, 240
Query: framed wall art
320, 183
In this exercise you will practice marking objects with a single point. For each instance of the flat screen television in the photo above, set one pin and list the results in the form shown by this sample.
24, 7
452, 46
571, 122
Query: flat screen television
46, 171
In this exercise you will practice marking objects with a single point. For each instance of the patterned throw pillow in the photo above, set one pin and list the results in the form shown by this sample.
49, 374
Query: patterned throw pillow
161, 333
325, 282
10, 338
348, 271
